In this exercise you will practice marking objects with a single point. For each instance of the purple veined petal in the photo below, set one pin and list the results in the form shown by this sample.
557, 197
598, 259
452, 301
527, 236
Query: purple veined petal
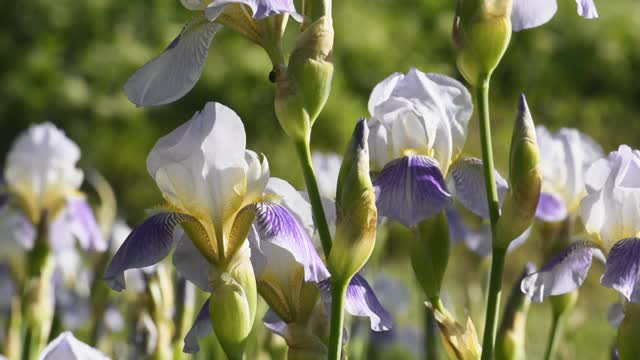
550, 208
622, 266
587, 9
175, 72
67, 347
260, 8
564, 273
190, 263
527, 14
615, 314
468, 186
411, 189
83, 225
201, 328
276, 225
273, 322
361, 301
148, 244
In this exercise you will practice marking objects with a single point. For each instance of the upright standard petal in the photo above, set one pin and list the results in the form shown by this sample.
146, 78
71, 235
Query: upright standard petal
67, 347
41, 169
622, 267
201, 168
611, 209
201, 328
468, 185
550, 208
275, 225
173, 73
422, 113
148, 244
411, 189
361, 301
564, 273
527, 14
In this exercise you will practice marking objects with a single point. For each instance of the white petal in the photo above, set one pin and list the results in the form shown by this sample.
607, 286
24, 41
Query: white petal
327, 169
527, 14
382, 91
173, 73
257, 176
201, 166
67, 347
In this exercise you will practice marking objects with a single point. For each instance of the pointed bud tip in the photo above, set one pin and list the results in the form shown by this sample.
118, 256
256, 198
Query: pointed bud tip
361, 133
523, 107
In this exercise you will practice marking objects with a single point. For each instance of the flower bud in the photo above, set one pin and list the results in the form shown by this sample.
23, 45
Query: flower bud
430, 254
510, 342
355, 208
481, 33
520, 203
232, 306
304, 88
460, 342
629, 333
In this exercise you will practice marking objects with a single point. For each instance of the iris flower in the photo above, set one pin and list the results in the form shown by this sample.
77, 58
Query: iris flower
527, 14
610, 212
565, 157
174, 72
67, 347
289, 272
42, 189
418, 128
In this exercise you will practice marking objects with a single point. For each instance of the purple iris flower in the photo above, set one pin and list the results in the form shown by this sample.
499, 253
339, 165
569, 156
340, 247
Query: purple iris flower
611, 214
418, 128
527, 14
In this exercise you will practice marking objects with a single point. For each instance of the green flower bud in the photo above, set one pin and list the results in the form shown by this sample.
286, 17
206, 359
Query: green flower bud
481, 33
510, 342
355, 209
232, 306
303, 89
520, 203
430, 254
629, 333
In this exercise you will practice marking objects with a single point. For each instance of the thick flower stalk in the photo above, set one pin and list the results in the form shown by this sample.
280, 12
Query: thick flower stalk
609, 214
174, 72
42, 214
207, 177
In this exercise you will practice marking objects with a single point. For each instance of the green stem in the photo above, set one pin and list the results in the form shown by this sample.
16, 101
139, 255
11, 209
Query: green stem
431, 334
338, 294
497, 261
555, 335
304, 153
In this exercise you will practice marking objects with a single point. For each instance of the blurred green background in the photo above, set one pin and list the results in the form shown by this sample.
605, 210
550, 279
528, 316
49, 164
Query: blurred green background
66, 61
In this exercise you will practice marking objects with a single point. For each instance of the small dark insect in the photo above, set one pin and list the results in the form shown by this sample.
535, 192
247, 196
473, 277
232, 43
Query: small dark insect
272, 76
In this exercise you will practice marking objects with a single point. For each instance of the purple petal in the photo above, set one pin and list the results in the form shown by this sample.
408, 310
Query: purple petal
622, 266
550, 208
147, 244
564, 273
468, 186
201, 328
479, 240
260, 8
191, 264
273, 322
411, 189
587, 9
173, 73
457, 229
83, 225
361, 301
17, 232
527, 14
276, 225
615, 315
